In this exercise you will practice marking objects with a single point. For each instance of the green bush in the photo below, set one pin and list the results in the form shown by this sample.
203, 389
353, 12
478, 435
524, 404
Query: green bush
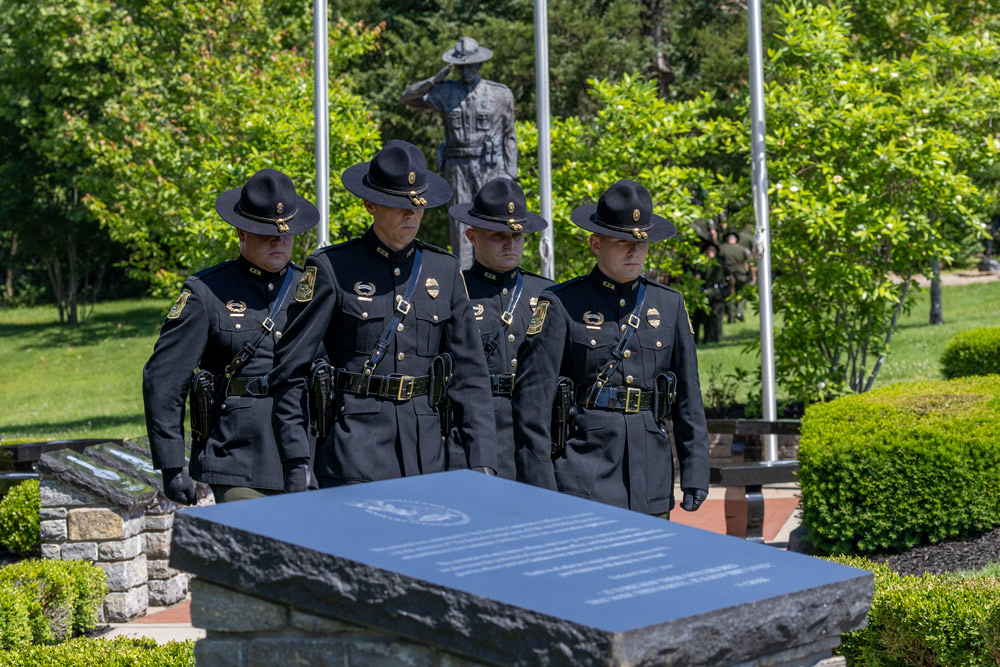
972, 352
63, 597
928, 620
19, 522
15, 617
910, 464
119, 652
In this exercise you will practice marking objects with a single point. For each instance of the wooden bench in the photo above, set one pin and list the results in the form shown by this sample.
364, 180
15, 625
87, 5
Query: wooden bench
744, 503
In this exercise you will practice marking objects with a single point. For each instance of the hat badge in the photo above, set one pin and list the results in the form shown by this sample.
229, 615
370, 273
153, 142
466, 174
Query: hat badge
635, 215
510, 207
280, 208
411, 178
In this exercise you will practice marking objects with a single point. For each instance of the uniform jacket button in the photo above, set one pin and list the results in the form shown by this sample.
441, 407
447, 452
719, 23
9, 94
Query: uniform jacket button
400, 356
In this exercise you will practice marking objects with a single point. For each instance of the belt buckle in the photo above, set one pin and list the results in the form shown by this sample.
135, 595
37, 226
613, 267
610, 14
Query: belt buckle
632, 399
405, 391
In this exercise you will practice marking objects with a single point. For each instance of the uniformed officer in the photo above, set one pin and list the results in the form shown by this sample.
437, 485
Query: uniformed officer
398, 325
610, 350
715, 287
503, 295
736, 259
225, 323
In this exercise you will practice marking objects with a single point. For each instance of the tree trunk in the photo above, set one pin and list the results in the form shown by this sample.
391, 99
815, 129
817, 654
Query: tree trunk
657, 16
9, 279
937, 316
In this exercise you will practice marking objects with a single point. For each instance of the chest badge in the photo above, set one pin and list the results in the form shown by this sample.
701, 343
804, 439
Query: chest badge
304, 290
178, 306
653, 317
477, 310
538, 318
365, 291
593, 320
432, 287
236, 308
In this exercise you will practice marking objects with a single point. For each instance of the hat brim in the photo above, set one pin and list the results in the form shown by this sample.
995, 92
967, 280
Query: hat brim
585, 217
481, 56
227, 206
438, 191
463, 213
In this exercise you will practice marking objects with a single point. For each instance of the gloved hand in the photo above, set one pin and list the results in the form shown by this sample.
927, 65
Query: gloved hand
693, 498
178, 486
298, 477
489, 472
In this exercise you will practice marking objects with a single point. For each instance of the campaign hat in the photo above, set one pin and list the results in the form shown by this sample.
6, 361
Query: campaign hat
499, 206
267, 205
466, 52
624, 211
397, 177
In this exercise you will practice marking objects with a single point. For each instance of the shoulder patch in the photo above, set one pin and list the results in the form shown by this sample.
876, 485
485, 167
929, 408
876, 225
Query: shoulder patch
182, 300
538, 318
307, 283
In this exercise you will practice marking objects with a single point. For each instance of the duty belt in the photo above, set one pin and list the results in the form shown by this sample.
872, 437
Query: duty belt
464, 151
622, 399
502, 384
255, 386
394, 387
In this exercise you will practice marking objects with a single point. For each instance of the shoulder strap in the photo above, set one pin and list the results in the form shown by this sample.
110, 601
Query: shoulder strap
617, 354
249, 348
402, 308
506, 318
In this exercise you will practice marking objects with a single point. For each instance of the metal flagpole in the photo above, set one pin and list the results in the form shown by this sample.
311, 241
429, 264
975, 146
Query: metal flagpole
762, 238
545, 245
322, 122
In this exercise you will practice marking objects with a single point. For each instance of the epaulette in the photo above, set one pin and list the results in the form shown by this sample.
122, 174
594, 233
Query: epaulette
568, 283
433, 248
295, 266
338, 246
532, 273
212, 269
650, 281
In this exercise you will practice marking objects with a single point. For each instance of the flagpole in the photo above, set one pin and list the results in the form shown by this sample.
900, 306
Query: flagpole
322, 121
546, 243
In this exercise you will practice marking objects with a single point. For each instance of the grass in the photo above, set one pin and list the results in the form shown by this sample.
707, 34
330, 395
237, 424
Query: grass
85, 381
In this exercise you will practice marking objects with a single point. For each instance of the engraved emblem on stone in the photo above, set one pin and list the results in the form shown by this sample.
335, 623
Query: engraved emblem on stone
412, 511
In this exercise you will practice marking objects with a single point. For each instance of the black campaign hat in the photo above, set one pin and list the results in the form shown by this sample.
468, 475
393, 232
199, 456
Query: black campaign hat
267, 205
624, 211
500, 207
466, 52
397, 177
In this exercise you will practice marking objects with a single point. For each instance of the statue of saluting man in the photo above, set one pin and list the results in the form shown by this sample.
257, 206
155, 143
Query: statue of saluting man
480, 143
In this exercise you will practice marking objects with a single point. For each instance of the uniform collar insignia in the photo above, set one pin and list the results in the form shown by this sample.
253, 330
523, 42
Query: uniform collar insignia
608, 285
493, 277
371, 241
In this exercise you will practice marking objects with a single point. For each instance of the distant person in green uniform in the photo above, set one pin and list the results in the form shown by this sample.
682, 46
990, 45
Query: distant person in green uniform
715, 287
740, 272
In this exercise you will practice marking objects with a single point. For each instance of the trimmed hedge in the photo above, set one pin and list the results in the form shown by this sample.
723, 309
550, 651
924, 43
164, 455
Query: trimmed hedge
60, 598
19, 521
119, 652
928, 620
910, 464
972, 352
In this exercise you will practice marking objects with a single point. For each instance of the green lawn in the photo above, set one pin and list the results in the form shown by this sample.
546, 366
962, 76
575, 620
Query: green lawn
85, 381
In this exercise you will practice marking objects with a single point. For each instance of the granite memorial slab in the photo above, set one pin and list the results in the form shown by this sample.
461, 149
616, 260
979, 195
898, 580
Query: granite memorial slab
96, 477
507, 573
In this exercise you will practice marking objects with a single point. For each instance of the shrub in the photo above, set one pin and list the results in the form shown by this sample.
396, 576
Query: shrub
909, 464
928, 620
19, 522
972, 352
120, 652
15, 617
62, 596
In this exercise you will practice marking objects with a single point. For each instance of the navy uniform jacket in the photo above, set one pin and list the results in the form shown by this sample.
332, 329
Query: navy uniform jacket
219, 310
491, 292
345, 300
616, 458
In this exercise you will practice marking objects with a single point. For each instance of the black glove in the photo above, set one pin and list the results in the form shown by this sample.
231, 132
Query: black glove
489, 472
298, 477
177, 486
693, 498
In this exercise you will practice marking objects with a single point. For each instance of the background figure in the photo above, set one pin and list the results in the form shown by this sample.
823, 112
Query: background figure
715, 287
480, 142
739, 270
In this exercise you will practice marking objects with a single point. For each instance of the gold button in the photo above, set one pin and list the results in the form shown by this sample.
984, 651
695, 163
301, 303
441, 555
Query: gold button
510, 338
504, 290
364, 315
223, 406
659, 344
623, 327
237, 326
513, 362
593, 342
629, 379
435, 318
395, 271
621, 302
399, 327
341, 408
270, 286
277, 334
627, 353
400, 356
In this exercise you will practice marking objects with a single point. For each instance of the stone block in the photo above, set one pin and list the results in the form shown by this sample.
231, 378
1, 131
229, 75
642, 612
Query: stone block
388, 653
220, 652
159, 522
120, 549
79, 551
52, 551
126, 574
52, 513
160, 569
53, 530
134, 525
449, 660
95, 524
158, 545
222, 609
319, 625
124, 606
52, 494
165, 592
327, 652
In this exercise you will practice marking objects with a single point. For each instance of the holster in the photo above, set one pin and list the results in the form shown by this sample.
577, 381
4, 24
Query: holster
321, 395
440, 376
563, 412
664, 395
490, 153
202, 401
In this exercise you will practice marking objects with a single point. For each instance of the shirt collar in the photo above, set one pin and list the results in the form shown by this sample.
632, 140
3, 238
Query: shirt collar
493, 277
608, 286
249, 268
384, 252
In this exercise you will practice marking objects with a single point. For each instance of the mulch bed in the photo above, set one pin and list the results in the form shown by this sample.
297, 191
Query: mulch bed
970, 553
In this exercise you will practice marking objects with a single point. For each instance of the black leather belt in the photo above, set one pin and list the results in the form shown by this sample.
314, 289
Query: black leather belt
502, 384
395, 387
622, 399
463, 151
254, 386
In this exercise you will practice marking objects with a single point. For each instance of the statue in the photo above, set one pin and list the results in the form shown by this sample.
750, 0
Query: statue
480, 143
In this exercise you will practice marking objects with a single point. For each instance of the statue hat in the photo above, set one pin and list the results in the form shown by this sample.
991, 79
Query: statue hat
466, 52
397, 177
267, 205
624, 211
500, 207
